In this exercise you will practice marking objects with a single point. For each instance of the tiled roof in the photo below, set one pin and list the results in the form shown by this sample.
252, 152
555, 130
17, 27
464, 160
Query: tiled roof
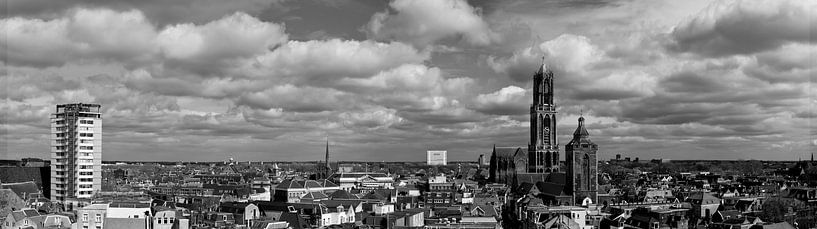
118, 223
311, 184
327, 184
314, 195
289, 184
342, 194
128, 205
21, 174
22, 189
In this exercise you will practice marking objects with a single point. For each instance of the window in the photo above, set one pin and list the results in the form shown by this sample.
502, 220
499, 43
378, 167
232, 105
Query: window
85, 217
98, 217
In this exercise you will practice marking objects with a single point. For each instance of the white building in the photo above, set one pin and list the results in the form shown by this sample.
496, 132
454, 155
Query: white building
76, 151
437, 157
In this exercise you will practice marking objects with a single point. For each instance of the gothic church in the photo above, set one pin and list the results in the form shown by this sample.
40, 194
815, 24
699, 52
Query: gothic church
539, 166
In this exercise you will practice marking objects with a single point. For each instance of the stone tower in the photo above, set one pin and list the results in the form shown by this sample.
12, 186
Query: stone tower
543, 150
582, 167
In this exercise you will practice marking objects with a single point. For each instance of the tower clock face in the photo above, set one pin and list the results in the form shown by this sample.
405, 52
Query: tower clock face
547, 131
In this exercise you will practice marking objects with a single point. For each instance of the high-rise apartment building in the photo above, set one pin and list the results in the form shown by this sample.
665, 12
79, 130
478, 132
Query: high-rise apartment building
76, 151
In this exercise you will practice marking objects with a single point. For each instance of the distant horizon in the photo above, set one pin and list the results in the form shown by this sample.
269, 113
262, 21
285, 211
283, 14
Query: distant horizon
387, 80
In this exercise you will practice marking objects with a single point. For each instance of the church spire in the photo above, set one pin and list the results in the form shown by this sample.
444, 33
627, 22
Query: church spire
327, 152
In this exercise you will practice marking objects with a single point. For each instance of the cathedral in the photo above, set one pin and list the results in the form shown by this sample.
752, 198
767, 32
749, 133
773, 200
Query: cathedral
539, 166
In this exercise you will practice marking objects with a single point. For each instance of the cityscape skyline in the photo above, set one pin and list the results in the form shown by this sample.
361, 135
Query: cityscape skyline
268, 82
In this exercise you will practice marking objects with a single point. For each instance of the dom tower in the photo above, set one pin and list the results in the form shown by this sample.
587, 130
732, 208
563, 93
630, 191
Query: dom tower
543, 150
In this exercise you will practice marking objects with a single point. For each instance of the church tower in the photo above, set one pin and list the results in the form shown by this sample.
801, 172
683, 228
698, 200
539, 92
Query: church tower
324, 171
582, 167
543, 150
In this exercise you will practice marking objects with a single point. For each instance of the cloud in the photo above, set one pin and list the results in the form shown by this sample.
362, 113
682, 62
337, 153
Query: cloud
370, 118
566, 52
129, 38
160, 12
91, 34
424, 22
320, 60
298, 99
510, 100
409, 87
204, 47
746, 26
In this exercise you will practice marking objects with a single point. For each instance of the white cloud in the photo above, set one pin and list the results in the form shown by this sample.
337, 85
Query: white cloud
96, 34
370, 118
510, 100
322, 60
424, 22
235, 36
567, 52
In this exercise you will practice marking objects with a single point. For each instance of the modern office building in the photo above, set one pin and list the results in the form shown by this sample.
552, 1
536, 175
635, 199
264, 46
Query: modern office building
76, 152
437, 157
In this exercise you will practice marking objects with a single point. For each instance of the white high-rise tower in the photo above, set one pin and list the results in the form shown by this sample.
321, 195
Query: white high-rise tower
76, 152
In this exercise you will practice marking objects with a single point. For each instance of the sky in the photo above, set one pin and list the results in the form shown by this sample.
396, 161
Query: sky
261, 80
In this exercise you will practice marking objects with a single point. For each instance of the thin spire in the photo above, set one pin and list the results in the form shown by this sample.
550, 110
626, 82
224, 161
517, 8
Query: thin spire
327, 151
543, 67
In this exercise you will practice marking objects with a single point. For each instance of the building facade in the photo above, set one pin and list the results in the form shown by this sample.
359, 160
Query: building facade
76, 151
582, 166
437, 157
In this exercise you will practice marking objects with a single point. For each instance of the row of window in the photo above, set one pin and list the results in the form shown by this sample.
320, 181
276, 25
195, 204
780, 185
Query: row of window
86, 147
62, 135
98, 217
85, 186
86, 121
86, 180
86, 173
164, 220
86, 192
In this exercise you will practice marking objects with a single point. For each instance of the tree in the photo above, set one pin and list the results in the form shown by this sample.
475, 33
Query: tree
775, 209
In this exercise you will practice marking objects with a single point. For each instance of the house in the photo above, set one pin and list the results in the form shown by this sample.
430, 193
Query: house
22, 218
291, 190
244, 213
704, 204
167, 218
362, 180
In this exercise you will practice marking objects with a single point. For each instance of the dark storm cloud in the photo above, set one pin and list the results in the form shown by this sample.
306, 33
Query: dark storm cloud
746, 27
